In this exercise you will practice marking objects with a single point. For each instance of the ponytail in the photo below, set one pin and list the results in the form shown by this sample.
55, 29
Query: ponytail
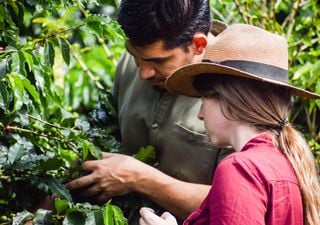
297, 151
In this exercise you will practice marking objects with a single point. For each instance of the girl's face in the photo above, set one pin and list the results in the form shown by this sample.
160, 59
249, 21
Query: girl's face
218, 127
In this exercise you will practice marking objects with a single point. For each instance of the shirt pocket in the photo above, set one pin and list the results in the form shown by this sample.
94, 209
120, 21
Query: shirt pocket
193, 137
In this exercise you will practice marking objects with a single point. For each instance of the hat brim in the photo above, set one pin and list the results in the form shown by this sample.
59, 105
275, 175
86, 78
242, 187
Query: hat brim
180, 82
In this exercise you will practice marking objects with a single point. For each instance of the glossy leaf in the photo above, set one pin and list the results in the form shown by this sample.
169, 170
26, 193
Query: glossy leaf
4, 96
74, 218
61, 205
57, 187
65, 50
146, 154
17, 87
49, 53
43, 217
16, 151
21, 218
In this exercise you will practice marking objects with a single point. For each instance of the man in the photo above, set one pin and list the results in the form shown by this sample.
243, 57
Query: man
162, 36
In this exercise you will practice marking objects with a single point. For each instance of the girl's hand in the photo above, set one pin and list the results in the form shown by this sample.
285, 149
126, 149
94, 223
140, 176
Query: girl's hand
148, 217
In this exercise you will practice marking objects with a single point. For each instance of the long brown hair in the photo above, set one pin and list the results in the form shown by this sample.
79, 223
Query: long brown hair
267, 107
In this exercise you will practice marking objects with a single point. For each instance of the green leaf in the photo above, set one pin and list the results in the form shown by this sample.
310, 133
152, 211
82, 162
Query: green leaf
17, 87
49, 53
23, 117
16, 151
94, 217
65, 49
61, 205
112, 31
113, 215
83, 125
74, 218
31, 90
96, 28
67, 117
2, 15
88, 147
4, 96
107, 215
118, 217
17, 65
29, 60
21, 218
56, 187
51, 164
110, 103
20, 85
146, 154
14, 6
43, 217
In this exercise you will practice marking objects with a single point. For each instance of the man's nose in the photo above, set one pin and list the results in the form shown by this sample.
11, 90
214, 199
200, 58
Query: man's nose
146, 71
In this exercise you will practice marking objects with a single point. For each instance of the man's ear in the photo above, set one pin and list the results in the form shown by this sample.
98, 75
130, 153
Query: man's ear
199, 43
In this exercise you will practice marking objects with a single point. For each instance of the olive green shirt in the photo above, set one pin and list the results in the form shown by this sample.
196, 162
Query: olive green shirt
166, 121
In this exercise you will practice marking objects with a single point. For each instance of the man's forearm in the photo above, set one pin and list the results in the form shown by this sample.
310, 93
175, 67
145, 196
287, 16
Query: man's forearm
178, 197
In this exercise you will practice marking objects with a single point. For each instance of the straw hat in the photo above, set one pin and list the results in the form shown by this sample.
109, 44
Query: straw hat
244, 51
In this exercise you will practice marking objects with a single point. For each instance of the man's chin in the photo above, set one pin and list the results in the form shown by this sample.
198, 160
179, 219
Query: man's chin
159, 87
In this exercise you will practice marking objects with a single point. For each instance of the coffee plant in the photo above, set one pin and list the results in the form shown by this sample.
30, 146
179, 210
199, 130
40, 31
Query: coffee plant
57, 65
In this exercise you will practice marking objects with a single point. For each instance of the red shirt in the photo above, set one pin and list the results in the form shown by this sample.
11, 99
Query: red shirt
254, 186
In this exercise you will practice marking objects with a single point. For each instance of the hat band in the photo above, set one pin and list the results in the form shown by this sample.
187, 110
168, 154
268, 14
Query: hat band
255, 68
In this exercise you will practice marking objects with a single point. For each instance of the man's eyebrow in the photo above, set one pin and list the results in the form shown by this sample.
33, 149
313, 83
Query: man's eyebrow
157, 59
154, 59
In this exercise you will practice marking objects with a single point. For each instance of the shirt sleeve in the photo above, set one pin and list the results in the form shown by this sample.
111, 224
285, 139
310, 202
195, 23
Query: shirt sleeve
238, 195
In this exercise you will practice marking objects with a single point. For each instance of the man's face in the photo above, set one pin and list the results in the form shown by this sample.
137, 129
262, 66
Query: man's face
156, 63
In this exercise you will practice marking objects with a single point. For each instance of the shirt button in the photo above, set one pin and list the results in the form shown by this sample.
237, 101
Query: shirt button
155, 125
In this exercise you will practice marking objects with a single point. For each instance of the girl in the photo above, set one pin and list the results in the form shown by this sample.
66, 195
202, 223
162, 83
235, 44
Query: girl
272, 177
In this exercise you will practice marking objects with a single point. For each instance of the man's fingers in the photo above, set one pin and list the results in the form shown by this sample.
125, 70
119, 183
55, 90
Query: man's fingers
107, 155
81, 182
90, 165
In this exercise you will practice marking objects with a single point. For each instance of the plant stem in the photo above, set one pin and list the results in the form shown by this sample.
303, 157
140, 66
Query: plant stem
86, 70
33, 132
47, 123
291, 18
242, 14
107, 51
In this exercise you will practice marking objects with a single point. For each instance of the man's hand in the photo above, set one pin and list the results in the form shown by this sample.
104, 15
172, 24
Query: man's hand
114, 175
148, 217
118, 174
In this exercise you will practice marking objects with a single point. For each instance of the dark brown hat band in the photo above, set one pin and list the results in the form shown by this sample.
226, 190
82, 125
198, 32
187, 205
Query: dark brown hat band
260, 69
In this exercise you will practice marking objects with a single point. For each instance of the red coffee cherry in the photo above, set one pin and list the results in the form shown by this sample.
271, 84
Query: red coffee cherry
7, 129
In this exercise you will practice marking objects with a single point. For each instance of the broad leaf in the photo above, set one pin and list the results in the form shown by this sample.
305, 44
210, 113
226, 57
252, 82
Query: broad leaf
16, 151
74, 218
43, 217
65, 50
49, 53
58, 188
21, 218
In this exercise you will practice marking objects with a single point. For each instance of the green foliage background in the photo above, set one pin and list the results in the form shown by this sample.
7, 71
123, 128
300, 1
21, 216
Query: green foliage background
57, 65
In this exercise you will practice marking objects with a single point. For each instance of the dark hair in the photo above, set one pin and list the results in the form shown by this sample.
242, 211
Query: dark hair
173, 21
